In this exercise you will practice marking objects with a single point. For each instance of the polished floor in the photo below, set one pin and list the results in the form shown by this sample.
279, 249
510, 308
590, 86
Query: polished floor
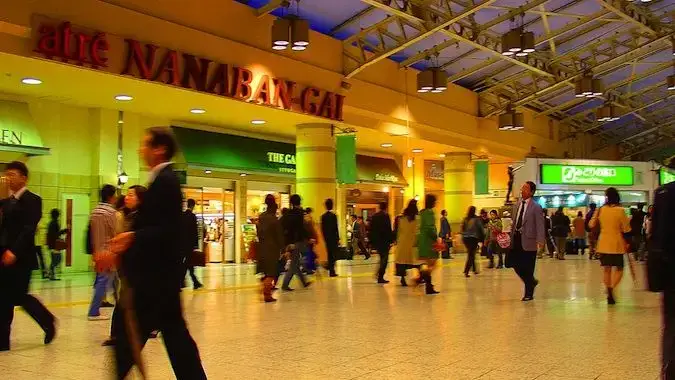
351, 328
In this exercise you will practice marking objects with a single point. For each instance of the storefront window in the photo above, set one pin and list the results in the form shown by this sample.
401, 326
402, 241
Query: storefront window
255, 205
215, 217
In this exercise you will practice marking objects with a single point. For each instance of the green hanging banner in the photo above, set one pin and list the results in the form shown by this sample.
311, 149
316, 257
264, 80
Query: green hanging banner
345, 158
481, 177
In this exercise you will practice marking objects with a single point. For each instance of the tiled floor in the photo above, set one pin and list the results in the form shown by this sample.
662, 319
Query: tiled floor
351, 328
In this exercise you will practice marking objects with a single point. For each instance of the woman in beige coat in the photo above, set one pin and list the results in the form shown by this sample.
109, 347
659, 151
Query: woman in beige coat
406, 241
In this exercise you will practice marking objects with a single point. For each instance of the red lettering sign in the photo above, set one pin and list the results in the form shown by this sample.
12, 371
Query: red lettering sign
82, 49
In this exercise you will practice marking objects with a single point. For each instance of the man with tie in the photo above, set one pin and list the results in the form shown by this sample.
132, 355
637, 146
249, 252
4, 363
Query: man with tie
527, 237
151, 261
21, 213
331, 235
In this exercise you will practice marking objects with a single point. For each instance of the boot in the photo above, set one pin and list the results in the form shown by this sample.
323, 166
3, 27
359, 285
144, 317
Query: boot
403, 283
429, 286
610, 296
267, 290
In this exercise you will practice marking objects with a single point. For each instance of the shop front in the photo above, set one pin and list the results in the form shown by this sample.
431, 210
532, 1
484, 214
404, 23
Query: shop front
379, 179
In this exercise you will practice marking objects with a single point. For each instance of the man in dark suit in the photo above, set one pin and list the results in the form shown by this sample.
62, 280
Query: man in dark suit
190, 243
21, 213
527, 237
151, 260
331, 235
381, 237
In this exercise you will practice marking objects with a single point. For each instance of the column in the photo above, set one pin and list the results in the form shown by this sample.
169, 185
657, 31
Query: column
458, 186
240, 192
315, 165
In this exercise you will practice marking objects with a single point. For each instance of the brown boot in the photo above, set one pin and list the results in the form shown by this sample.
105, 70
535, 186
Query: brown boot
267, 290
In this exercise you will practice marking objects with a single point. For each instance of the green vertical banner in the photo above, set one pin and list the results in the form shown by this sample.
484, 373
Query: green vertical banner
481, 175
345, 158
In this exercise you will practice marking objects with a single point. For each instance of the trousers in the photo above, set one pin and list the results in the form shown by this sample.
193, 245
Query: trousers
383, 252
524, 263
471, 245
31, 305
294, 269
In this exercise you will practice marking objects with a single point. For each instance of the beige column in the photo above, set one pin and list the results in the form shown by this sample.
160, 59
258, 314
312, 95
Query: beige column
240, 190
315, 165
458, 183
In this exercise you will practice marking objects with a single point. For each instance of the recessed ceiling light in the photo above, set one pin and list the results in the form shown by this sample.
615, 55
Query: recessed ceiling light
31, 81
417, 150
279, 47
197, 110
299, 48
124, 98
207, 171
442, 155
243, 175
386, 145
258, 122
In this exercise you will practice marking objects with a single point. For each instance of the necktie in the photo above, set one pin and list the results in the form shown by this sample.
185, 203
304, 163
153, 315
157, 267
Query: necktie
519, 223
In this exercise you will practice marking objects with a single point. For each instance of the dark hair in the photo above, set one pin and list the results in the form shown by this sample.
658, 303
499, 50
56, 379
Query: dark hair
580, 214
284, 211
411, 211
533, 187
308, 210
444, 212
483, 211
191, 203
560, 209
592, 206
295, 200
19, 167
353, 216
471, 213
163, 137
107, 192
271, 203
119, 205
384, 206
55, 213
545, 211
494, 212
329, 204
429, 201
613, 197
140, 193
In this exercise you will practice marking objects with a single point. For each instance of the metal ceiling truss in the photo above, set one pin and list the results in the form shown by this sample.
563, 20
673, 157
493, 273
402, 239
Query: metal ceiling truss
269, 7
626, 138
616, 130
654, 142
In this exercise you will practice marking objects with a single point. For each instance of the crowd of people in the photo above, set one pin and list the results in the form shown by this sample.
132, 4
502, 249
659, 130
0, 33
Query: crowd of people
141, 245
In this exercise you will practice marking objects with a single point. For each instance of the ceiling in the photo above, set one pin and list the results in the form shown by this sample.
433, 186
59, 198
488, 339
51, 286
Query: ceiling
83, 87
626, 44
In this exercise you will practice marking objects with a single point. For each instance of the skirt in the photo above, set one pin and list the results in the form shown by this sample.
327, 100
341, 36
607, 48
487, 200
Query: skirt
611, 260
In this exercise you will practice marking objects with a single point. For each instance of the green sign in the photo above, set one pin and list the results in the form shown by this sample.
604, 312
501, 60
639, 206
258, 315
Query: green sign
481, 172
666, 176
554, 174
345, 158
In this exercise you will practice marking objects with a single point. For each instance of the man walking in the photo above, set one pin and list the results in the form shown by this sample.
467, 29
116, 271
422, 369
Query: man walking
151, 260
190, 243
331, 235
527, 237
445, 234
637, 222
381, 237
103, 226
560, 230
21, 213
296, 235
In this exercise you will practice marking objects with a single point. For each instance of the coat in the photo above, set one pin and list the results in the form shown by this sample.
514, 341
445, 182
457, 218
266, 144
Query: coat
427, 235
406, 241
533, 229
270, 244
381, 234
613, 224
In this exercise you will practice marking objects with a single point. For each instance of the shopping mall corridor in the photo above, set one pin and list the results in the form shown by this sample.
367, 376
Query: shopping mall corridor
351, 328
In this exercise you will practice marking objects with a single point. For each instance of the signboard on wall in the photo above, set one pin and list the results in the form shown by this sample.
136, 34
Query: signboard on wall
556, 174
666, 176
433, 170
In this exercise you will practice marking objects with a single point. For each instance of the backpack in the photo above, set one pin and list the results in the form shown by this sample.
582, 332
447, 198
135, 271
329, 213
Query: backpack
89, 246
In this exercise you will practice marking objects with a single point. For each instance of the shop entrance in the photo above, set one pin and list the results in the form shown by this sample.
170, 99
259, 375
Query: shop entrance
215, 217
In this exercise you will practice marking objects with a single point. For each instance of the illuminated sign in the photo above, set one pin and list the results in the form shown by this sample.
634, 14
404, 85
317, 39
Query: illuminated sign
666, 176
281, 158
554, 174
7, 136
386, 177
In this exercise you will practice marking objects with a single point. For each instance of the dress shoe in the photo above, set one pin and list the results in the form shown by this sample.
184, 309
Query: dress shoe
109, 342
403, 283
307, 284
106, 304
527, 298
198, 286
287, 289
50, 334
270, 299
382, 281
334, 275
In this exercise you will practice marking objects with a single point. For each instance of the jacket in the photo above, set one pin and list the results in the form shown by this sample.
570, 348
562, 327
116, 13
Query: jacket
381, 233
446, 230
329, 228
472, 228
406, 241
190, 230
532, 231
270, 244
427, 235
661, 258
560, 225
54, 232
294, 227
613, 224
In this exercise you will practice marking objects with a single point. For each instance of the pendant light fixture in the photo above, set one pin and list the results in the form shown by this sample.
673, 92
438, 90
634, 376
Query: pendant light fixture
432, 79
290, 30
517, 41
511, 120
587, 87
608, 113
671, 82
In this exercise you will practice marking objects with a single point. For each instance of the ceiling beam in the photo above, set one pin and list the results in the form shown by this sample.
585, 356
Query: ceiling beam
427, 30
366, 11
666, 143
269, 7
635, 134
633, 14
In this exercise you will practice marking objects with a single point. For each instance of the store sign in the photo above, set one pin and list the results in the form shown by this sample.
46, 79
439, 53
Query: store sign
554, 174
386, 177
157, 64
281, 158
666, 176
433, 170
10, 137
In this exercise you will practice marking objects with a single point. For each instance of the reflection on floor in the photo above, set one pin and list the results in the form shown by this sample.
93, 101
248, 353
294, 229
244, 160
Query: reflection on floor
351, 328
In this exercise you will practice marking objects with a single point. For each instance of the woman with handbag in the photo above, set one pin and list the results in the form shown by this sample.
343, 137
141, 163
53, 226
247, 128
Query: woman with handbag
495, 229
428, 242
612, 246
55, 243
270, 247
472, 235
406, 241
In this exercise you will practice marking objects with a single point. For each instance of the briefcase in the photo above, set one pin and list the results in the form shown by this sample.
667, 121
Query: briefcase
197, 259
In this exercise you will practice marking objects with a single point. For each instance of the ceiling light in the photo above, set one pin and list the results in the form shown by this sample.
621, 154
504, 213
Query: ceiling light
527, 42
425, 80
506, 121
299, 47
597, 87
409, 163
386, 145
124, 98
281, 32
511, 42
584, 87
507, 53
207, 171
603, 114
417, 150
258, 122
385, 189
440, 80
198, 111
671, 82
521, 54
299, 32
243, 175
31, 81
442, 155
279, 47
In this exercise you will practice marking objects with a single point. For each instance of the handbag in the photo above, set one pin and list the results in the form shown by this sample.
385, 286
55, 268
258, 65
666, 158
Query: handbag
343, 253
60, 245
503, 240
197, 259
